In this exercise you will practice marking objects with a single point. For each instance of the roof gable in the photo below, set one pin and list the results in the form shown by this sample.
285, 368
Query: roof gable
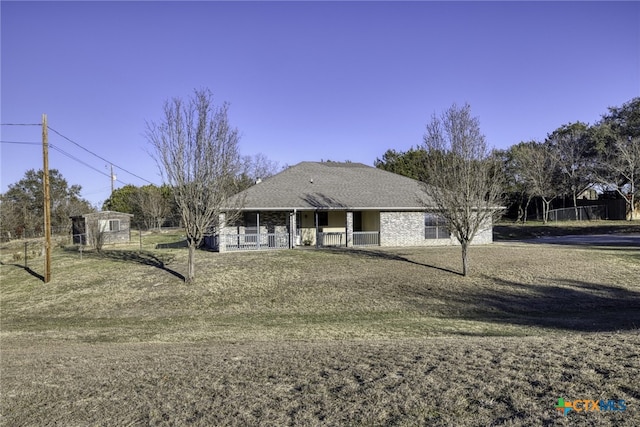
334, 185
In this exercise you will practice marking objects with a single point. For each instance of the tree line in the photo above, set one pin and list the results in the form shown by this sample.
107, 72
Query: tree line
22, 205
152, 206
155, 206
575, 157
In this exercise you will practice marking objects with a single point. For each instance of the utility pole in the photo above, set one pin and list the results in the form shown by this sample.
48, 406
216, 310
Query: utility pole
47, 200
113, 178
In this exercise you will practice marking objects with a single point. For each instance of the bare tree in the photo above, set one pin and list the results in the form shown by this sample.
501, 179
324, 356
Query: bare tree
570, 144
256, 168
619, 169
543, 166
260, 166
516, 188
464, 181
96, 233
197, 152
538, 170
618, 141
154, 204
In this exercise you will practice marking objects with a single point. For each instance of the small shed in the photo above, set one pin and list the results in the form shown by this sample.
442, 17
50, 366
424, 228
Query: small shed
114, 226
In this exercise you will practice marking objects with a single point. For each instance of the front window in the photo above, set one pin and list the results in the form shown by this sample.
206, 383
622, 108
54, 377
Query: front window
114, 225
435, 227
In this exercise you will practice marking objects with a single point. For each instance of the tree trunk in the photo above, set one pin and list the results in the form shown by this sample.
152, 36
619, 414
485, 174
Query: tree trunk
520, 217
465, 257
191, 275
526, 209
629, 202
546, 205
632, 200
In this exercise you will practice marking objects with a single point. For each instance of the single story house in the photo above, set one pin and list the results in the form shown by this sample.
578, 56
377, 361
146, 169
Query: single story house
322, 204
115, 226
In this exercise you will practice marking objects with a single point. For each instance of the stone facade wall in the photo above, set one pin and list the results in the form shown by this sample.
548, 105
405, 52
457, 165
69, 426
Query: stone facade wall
484, 235
407, 229
404, 229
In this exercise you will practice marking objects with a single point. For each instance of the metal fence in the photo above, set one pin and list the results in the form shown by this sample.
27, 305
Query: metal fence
581, 213
79, 239
366, 238
27, 249
5, 236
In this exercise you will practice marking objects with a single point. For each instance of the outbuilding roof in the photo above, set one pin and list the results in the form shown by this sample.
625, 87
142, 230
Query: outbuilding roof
335, 185
102, 214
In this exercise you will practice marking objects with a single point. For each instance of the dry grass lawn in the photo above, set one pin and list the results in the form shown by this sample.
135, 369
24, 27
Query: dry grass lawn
331, 337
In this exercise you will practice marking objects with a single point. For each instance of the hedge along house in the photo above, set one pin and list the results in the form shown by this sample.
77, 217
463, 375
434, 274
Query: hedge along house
115, 226
324, 204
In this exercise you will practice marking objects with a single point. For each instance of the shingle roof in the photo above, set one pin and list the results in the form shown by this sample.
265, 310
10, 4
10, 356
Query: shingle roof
333, 185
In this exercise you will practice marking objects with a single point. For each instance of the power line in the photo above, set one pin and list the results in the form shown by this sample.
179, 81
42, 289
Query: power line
98, 156
61, 151
100, 191
21, 142
72, 157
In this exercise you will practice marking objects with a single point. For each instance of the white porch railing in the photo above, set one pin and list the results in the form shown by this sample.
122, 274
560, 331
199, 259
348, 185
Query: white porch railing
366, 238
273, 241
332, 238
254, 242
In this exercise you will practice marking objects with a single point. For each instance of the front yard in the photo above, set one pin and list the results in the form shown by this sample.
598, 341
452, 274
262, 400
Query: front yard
330, 337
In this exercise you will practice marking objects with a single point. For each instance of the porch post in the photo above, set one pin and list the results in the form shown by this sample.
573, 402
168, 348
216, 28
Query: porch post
221, 232
292, 229
349, 229
258, 227
317, 231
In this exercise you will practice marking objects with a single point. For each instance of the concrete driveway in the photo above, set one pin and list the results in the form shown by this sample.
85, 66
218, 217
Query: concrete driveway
620, 240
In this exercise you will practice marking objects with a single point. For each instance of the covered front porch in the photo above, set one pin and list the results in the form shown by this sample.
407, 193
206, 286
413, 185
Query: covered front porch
272, 230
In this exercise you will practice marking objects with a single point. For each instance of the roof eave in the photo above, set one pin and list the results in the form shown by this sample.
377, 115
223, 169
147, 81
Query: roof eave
335, 208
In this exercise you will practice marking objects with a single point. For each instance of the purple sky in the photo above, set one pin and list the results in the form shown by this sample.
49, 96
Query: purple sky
305, 80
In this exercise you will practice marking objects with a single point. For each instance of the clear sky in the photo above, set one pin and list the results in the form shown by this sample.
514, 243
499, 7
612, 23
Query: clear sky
305, 80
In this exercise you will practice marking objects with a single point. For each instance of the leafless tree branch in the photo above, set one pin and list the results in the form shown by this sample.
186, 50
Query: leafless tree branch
197, 152
464, 179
